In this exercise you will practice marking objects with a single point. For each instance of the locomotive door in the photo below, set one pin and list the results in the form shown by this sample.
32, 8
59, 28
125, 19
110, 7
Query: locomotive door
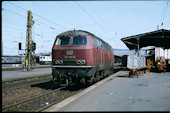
102, 59
97, 56
97, 51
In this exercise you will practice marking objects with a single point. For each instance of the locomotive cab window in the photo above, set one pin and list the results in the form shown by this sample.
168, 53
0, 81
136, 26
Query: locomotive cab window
93, 42
63, 41
79, 41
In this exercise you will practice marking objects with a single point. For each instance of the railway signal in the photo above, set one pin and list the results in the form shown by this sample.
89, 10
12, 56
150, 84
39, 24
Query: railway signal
34, 46
20, 46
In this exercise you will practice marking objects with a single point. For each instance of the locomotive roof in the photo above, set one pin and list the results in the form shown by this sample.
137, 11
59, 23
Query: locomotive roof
79, 32
76, 32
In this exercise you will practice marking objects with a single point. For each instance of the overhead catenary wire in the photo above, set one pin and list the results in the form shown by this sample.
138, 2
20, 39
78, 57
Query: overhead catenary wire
18, 6
46, 25
14, 12
26, 17
39, 16
50, 21
164, 12
12, 21
54, 14
13, 32
92, 19
37, 21
13, 28
99, 16
4, 26
51, 27
21, 16
123, 13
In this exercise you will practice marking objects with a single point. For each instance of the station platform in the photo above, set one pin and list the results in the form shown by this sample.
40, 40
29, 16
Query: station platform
7, 75
149, 92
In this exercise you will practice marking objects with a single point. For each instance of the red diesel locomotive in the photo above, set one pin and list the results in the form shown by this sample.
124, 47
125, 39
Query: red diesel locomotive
79, 56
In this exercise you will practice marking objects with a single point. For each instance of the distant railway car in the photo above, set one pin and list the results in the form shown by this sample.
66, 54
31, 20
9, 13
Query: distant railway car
124, 60
45, 59
159, 59
11, 60
79, 56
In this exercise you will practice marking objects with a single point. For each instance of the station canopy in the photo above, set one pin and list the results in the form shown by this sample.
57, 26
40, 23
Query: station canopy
159, 38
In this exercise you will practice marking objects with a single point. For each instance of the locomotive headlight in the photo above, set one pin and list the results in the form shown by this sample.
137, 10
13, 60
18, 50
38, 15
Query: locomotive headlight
81, 62
59, 62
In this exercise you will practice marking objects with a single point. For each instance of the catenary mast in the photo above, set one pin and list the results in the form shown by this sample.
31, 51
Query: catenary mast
29, 44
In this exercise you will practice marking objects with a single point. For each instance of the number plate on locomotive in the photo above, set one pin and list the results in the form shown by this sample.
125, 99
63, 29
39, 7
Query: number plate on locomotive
69, 52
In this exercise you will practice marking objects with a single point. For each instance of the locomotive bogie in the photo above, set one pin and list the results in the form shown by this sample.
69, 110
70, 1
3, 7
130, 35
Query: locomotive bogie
67, 76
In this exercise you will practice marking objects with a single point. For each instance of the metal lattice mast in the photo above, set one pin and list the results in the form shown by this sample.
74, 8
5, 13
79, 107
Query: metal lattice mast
29, 42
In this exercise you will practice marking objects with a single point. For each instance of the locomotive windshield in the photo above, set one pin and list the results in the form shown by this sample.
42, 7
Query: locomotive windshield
63, 41
79, 41
75, 41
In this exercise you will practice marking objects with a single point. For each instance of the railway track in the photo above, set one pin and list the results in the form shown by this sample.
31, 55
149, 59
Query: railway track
6, 108
17, 83
41, 91
44, 99
25, 84
19, 89
41, 101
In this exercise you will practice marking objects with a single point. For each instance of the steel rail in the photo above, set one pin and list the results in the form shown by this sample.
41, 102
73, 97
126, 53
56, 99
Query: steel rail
23, 82
24, 78
47, 106
25, 85
30, 99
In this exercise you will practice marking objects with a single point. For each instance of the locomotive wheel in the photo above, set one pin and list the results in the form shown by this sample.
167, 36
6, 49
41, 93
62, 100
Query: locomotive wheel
103, 76
111, 70
97, 76
56, 81
89, 80
94, 80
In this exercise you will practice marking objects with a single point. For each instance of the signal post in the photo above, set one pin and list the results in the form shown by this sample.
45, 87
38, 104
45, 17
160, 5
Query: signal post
30, 45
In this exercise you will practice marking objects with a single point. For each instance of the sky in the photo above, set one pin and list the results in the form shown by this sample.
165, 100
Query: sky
108, 20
